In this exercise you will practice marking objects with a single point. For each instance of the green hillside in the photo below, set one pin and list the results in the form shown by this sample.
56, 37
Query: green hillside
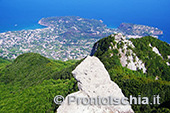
4, 62
155, 64
30, 69
136, 82
27, 84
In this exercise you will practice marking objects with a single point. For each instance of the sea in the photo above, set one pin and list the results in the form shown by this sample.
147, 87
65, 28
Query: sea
25, 14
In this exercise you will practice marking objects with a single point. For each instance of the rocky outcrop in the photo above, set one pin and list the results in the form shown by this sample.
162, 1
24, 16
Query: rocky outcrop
168, 63
124, 46
168, 56
94, 81
127, 57
156, 51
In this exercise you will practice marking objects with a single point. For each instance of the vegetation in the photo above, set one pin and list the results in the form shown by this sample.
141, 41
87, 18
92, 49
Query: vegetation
4, 62
155, 64
34, 99
31, 81
136, 82
31, 67
27, 84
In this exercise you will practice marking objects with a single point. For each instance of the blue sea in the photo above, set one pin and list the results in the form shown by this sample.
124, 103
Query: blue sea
25, 14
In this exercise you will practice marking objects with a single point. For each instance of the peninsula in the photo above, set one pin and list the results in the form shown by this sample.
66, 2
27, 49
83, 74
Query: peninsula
65, 37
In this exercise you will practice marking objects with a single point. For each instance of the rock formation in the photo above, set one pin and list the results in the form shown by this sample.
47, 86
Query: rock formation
127, 57
94, 81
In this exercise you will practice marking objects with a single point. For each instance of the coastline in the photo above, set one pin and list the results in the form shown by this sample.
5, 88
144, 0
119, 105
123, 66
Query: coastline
41, 25
24, 27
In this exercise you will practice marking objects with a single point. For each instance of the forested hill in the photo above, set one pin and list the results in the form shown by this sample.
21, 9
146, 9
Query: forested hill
139, 67
30, 83
31, 67
148, 54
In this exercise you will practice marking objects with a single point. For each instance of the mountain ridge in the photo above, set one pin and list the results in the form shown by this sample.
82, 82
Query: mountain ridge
136, 54
37, 95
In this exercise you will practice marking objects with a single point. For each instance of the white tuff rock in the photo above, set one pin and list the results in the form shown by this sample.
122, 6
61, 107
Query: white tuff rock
156, 51
168, 56
93, 81
128, 58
